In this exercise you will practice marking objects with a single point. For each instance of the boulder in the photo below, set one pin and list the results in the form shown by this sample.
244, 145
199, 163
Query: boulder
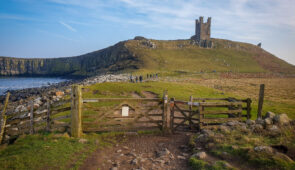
200, 155
268, 121
257, 128
282, 119
266, 149
260, 121
270, 115
250, 122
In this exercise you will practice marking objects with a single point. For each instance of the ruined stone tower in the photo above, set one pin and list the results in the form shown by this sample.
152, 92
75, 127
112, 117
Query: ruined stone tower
202, 30
202, 33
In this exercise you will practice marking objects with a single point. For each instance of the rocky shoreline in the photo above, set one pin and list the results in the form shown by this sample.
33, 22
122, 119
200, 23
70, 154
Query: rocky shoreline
21, 98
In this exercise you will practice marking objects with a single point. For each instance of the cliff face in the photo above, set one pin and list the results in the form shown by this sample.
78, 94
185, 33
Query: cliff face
147, 55
113, 58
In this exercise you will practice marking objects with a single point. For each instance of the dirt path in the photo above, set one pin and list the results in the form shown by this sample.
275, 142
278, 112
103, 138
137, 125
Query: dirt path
143, 152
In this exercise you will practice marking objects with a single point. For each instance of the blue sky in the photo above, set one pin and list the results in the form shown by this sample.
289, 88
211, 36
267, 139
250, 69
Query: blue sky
60, 28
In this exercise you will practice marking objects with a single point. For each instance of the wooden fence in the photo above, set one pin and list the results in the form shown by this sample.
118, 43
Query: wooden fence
127, 114
198, 113
37, 119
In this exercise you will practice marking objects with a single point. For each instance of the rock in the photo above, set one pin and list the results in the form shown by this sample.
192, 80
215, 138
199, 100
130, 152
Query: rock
114, 168
21, 108
232, 123
181, 157
162, 153
59, 93
200, 155
270, 115
265, 149
250, 122
257, 128
282, 119
224, 129
125, 147
83, 141
118, 151
260, 121
133, 161
274, 130
268, 121
202, 139
208, 132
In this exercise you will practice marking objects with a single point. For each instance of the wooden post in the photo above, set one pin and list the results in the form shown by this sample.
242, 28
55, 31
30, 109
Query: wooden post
201, 109
48, 116
172, 114
260, 101
3, 117
32, 118
76, 111
249, 101
166, 122
191, 112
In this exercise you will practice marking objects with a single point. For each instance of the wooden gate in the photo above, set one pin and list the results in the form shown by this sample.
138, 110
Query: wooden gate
122, 114
198, 113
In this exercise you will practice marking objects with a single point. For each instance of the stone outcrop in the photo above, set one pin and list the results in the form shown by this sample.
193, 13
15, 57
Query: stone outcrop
111, 59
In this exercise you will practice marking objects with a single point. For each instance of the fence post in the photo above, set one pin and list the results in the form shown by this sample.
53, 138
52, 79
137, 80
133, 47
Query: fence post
166, 123
48, 116
3, 117
32, 118
76, 112
191, 111
260, 101
249, 101
172, 114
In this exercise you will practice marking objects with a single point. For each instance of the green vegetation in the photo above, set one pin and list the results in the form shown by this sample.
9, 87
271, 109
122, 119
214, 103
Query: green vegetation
202, 165
168, 58
52, 151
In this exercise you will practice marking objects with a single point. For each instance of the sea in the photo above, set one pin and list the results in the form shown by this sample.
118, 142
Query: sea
16, 83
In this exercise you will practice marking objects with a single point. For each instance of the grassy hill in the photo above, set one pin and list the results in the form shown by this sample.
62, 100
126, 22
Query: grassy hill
143, 55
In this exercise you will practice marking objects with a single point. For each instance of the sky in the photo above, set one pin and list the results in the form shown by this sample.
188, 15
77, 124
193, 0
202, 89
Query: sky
62, 28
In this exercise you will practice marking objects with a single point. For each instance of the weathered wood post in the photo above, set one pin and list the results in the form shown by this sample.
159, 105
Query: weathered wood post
249, 101
32, 118
166, 115
3, 117
172, 114
191, 99
260, 101
76, 112
48, 116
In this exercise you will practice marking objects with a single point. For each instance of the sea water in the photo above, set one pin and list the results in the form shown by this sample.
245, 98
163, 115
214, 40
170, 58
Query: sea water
15, 83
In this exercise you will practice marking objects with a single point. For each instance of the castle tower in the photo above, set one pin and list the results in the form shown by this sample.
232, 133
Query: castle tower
202, 30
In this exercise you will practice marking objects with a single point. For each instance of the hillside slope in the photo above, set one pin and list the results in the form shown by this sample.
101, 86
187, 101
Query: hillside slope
153, 55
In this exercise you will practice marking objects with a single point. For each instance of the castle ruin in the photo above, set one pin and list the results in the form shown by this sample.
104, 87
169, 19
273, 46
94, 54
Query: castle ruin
203, 33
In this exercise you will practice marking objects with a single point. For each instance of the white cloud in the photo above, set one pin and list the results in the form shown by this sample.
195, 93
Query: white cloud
68, 26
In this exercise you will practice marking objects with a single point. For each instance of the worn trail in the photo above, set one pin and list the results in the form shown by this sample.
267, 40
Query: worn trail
143, 152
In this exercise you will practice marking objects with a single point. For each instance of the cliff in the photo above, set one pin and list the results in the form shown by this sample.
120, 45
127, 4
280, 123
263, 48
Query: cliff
146, 55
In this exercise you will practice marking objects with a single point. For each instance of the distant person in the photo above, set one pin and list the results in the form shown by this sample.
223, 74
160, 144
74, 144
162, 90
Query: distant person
131, 78
157, 75
150, 75
140, 78
136, 79
147, 76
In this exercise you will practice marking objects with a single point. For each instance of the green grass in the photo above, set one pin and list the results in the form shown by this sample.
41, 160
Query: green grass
47, 151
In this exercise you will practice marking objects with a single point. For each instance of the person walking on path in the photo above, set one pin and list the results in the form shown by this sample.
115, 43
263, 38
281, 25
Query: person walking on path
136, 79
140, 78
